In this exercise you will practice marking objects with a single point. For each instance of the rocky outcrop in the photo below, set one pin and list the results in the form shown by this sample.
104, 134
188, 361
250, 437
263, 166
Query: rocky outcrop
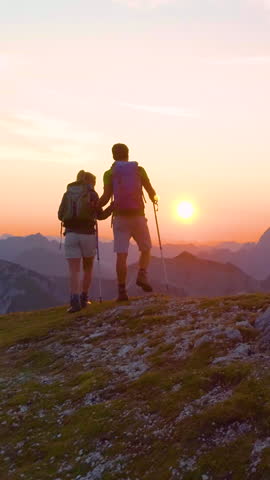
155, 388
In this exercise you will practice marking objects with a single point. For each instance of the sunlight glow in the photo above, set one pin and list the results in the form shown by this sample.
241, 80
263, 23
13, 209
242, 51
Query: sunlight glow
185, 210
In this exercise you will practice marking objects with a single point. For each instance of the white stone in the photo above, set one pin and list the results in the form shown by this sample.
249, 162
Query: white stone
244, 324
202, 341
242, 350
233, 334
263, 320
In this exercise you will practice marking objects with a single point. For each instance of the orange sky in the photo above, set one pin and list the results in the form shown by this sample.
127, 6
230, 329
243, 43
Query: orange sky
186, 87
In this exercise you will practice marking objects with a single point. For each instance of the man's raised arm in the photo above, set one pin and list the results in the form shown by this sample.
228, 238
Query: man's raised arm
147, 185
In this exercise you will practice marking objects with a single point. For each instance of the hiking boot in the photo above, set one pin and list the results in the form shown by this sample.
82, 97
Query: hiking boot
75, 305
142, 281
84, 300
122, 294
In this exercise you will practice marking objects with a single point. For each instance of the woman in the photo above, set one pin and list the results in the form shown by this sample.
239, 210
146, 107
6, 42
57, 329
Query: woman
79, 211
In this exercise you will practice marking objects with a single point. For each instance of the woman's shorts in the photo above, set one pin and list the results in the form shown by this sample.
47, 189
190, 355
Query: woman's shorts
79, 245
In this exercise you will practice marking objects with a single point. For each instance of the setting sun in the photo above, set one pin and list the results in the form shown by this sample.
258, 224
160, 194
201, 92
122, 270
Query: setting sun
185, 210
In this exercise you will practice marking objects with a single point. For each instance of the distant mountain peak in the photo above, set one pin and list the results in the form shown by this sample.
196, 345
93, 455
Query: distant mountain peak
265, 239
36, 235
186, 256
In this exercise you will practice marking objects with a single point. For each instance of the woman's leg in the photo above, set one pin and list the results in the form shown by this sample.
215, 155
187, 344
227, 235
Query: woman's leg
74, 272
86, 280
74, 275
87, 273
88, 251
73, 256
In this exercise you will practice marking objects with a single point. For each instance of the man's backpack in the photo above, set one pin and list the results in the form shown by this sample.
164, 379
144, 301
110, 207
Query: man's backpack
78, 204
127, 186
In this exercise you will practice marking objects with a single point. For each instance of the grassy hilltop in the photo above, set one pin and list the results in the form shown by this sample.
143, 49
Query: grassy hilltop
156, 389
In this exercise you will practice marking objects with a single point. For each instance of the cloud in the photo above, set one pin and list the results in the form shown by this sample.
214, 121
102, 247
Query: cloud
4, 61
36, 126
144, 3
263, 3
243, 60
151, 4
32, 135
165, 110
10, 61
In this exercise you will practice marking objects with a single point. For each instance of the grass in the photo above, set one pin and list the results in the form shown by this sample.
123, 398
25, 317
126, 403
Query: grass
247, 302
223, 462
131, 423
24, 327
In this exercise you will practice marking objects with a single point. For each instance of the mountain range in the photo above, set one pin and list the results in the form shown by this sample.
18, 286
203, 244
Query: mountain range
43, 254
191, 276
252, 258
33, 271
22, 289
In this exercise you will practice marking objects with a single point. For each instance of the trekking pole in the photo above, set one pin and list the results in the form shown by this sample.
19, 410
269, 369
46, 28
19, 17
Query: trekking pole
155, 205
61, 236
99, 267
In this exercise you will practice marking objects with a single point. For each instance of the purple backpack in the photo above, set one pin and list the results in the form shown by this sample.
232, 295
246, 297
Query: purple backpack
127, 186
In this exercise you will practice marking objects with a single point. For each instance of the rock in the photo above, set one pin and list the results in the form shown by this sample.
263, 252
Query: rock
124, 350
218, 360
217, 331
265, 338
244, 324
240, 352
202, 341
263, 320
233, 334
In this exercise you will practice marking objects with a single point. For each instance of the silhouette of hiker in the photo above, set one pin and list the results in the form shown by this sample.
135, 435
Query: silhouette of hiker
78, 211
124, 181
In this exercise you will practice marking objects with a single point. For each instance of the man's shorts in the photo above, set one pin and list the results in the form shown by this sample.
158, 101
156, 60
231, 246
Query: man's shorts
79, 245
125, 228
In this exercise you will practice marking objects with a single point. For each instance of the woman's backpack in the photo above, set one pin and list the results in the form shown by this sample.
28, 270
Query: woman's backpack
79, 204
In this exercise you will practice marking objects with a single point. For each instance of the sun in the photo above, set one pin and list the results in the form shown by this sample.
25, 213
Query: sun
185, 210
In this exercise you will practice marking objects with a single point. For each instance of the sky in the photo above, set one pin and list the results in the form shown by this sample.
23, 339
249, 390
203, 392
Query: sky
184, 83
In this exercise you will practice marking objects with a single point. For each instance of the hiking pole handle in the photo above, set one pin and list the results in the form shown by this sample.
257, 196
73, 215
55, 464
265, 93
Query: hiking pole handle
61, 236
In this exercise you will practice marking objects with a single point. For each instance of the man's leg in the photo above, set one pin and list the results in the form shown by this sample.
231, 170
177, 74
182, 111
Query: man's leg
142, 237
86, 280
144, 259
121, 233
142, 279
121, 268
121, 271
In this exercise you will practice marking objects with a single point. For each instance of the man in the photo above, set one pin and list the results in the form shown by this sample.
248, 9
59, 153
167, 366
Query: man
124, 181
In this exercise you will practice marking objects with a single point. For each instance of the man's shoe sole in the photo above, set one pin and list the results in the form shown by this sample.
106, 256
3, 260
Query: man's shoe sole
84, 305
146, 288
124, 298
